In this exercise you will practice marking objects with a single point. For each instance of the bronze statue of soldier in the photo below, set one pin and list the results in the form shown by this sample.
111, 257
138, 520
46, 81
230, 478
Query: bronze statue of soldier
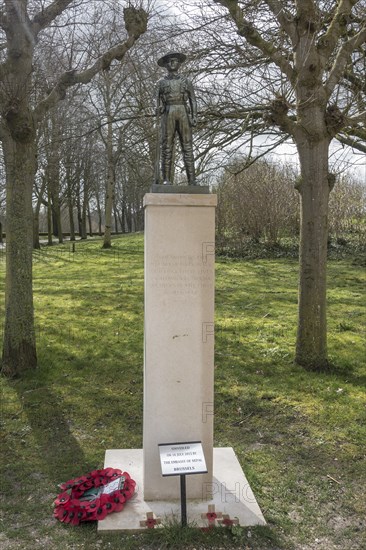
177, 108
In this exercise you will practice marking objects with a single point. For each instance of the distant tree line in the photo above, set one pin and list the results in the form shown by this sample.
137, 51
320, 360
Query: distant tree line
259, 204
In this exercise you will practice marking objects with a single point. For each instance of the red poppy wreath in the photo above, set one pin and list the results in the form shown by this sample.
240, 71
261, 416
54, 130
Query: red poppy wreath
92, 496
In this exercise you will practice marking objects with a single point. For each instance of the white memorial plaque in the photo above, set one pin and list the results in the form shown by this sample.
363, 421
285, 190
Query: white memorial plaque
182, 458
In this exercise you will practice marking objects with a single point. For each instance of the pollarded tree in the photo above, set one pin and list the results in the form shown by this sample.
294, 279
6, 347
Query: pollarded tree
23, 26
312, 57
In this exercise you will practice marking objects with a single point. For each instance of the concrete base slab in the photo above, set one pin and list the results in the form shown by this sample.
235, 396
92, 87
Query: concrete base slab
231, 495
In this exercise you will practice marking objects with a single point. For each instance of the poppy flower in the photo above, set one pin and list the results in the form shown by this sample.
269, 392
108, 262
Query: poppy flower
112, 472
94, 504
74, 518
63, 498
110, 507
101, 512
73, 503
67, 485
59, 512
104, 499
67, 516
119, 502
83, 510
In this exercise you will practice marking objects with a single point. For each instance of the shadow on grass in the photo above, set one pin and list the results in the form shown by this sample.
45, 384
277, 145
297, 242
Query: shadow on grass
59, 453
347, 373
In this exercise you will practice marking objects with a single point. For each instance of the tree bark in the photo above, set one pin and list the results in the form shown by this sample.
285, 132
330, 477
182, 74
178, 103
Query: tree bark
99, 210
84, 235
120, 219
78, 210
115, 215
36, 243
49, 218
19, 351
70, 205
110, 189
56, 219
311, 344
90, 221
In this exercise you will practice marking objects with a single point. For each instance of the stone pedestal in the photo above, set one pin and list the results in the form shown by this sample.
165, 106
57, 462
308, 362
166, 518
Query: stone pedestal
178, 374
179, 336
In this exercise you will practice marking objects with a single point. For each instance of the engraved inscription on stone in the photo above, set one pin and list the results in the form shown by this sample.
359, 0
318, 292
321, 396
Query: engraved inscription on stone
181, 274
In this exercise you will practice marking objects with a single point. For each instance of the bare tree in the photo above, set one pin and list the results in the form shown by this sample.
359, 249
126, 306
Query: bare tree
22, 26
310, 57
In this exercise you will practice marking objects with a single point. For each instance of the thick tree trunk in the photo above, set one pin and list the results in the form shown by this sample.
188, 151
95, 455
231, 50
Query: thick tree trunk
19, 350
311, 345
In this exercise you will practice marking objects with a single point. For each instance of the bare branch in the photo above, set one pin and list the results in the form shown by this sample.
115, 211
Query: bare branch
356, 120
342, 59
233, 113
284, 18
136, 24
42, 19
357, 83
328, 41
250, 33
351, 142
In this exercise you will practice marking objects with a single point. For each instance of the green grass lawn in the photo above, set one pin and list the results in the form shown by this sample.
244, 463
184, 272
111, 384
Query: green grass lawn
300, 436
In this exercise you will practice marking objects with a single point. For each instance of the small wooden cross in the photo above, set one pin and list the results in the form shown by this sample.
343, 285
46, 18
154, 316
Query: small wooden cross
211, 515
151, 521
227, 521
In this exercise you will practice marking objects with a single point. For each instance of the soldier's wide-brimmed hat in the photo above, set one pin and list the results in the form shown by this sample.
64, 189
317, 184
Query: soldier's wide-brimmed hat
163, 60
